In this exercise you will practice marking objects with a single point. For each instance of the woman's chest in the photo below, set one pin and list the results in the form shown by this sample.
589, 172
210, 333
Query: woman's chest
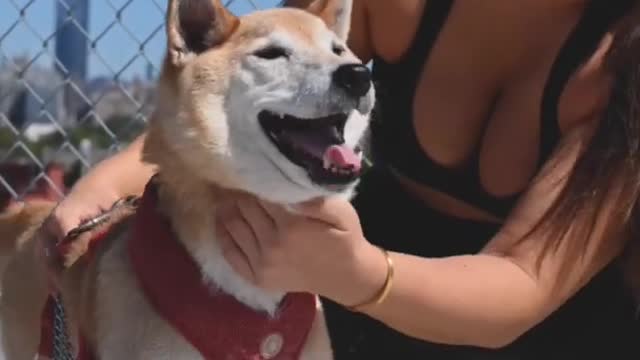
493, 78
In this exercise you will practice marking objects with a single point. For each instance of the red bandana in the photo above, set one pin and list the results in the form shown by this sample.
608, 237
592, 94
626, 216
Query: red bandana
216, 324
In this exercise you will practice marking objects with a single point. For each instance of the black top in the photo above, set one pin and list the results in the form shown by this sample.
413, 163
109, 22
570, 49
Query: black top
596, 323
393, 136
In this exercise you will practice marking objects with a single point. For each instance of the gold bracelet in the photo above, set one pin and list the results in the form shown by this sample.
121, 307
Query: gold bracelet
384, 291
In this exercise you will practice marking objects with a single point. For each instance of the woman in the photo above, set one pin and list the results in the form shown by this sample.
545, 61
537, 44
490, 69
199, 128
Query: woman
504, 188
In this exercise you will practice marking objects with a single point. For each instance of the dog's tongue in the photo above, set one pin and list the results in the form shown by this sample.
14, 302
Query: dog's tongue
317, 142
341, 156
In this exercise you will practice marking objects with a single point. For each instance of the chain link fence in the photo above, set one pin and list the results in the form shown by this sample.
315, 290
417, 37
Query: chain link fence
76, 85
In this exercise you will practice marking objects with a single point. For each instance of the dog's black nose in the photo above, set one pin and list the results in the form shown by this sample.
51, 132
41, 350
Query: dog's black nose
355, 79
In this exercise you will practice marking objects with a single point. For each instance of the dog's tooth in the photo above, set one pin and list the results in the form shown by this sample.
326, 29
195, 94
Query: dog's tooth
326, 163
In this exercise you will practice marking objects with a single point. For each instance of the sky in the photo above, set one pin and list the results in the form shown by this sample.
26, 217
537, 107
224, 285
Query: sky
117, 49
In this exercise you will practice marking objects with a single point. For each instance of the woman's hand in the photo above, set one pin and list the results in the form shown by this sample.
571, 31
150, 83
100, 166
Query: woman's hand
121, 175
319, 248
82, 203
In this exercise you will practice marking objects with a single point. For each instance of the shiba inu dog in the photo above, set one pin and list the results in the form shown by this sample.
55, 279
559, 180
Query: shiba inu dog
272, 103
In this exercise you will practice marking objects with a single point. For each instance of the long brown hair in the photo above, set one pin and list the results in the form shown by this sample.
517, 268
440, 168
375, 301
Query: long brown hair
608, 167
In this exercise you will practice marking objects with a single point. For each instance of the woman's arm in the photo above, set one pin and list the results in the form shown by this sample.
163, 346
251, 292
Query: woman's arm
120, 175
492, 298
124, 173
487, 299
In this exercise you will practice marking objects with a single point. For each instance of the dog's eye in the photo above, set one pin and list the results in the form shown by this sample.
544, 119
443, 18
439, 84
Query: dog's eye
271, 53
337, 49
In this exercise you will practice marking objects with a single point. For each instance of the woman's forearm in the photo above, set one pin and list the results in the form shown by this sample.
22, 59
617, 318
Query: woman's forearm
477, 300
124, 173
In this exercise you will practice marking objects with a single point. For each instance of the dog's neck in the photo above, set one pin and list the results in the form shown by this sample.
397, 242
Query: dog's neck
190, 205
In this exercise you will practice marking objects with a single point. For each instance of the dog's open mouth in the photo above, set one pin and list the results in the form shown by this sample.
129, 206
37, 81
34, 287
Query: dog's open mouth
317, 145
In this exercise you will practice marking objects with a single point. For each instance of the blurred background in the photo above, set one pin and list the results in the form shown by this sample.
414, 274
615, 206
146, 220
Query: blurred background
76, 85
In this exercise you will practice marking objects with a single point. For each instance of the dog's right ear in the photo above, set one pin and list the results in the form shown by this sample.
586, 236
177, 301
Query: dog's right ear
335, 13
193, 26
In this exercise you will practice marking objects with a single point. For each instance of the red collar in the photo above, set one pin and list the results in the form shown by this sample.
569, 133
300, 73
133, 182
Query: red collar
215, 323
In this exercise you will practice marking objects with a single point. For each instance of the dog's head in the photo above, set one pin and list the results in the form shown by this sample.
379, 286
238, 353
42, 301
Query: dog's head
273, 103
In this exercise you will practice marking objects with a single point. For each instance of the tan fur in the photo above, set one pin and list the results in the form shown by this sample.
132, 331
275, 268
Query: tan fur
17, 223
192, 140
327, 10
18, 218
24, 285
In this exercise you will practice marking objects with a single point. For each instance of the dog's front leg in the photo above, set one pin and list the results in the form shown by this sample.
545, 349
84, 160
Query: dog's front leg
24, 294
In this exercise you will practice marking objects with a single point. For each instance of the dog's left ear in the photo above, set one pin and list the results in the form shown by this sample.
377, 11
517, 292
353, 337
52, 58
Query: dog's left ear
335, 13
193, 26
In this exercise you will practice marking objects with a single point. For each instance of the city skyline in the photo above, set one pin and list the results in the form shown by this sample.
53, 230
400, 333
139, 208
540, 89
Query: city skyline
115, 48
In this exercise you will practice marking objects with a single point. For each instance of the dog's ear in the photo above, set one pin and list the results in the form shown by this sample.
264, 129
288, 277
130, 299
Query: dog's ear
335, 13
194, 26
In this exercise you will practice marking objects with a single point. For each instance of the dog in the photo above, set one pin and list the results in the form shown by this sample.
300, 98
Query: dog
272, 103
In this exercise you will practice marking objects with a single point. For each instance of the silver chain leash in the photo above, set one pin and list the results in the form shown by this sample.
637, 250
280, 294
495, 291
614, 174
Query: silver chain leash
62, 349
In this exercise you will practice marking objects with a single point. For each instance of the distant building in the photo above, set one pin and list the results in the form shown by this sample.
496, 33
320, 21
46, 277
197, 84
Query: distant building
72, 23
72, 50
119, 100
33, 109
150, 73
